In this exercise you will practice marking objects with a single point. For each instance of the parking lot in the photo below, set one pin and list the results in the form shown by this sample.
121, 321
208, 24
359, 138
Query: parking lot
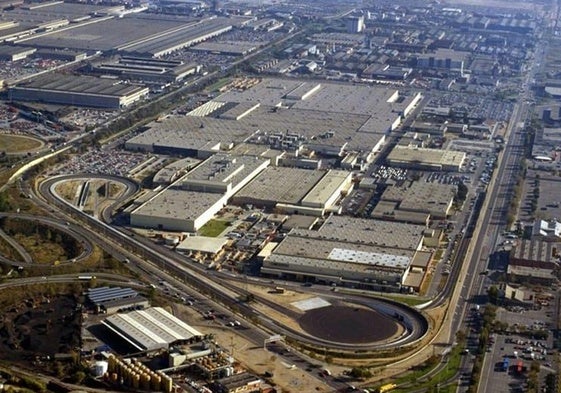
108, 162
510, 356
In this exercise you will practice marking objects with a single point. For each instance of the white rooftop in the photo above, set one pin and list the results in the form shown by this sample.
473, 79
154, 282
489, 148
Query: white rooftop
150, 329
369, 258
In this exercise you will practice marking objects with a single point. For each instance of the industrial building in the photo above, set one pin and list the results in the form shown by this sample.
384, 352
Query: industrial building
348, 251
78, 91
174, 171
194, 199
202, 247
426, 158
534, 261
151, 329
354, 24
444, 59
237, 383
304, 191
289, 115
183, 37
389, 211
15, 53
178, 210
422, 198
229, 48
147, 70
109, 300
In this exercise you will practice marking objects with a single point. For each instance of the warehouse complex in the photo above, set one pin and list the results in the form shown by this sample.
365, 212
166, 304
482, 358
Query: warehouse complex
426, 158
147, 69
79, 91
327, 119
304, 191
350, 251
151, 329
190, 202
434, 200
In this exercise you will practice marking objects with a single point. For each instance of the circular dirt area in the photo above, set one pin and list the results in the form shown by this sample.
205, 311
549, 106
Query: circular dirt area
17, 144
351, 325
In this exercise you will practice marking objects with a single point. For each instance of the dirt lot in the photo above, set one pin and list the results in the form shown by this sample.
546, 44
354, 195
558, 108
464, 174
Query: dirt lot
39, 326
18, 143
291, 378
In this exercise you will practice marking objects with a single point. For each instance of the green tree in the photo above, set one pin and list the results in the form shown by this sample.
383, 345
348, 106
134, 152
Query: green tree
493, 294
78, 377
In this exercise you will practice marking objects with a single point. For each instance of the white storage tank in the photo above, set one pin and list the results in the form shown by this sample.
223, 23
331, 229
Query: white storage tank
171, 240
100, 368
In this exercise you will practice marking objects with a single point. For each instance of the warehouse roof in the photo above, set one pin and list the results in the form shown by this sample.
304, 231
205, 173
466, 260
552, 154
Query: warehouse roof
8, 50
221, 169
422, 196
211, 245
281, 185
433, 157
535, 250
104, 294
183, 36
366, 231
81, 84
326, 187
179, 204
191, 132
169, 173
107, 34
150, 329
228, 47
329, 97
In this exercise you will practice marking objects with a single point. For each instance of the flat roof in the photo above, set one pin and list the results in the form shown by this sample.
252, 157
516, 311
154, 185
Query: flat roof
330, 97
150, 329
168, 173
419, 195
369, 258
222, 169
333, 255
106, 34
210, 245
327, 186
333, 116
186, 34
366, 231
281, 185
14, 50
191, 132
178, 204
426, 156
228, 47
80, 84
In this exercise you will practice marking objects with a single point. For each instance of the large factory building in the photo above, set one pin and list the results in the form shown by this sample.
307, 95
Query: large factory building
79, 91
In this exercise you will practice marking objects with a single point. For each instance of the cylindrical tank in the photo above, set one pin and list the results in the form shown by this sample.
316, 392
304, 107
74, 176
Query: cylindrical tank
171, 240
156, 382
167, 384
135, 381
100, 368
145, 381
112, 363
